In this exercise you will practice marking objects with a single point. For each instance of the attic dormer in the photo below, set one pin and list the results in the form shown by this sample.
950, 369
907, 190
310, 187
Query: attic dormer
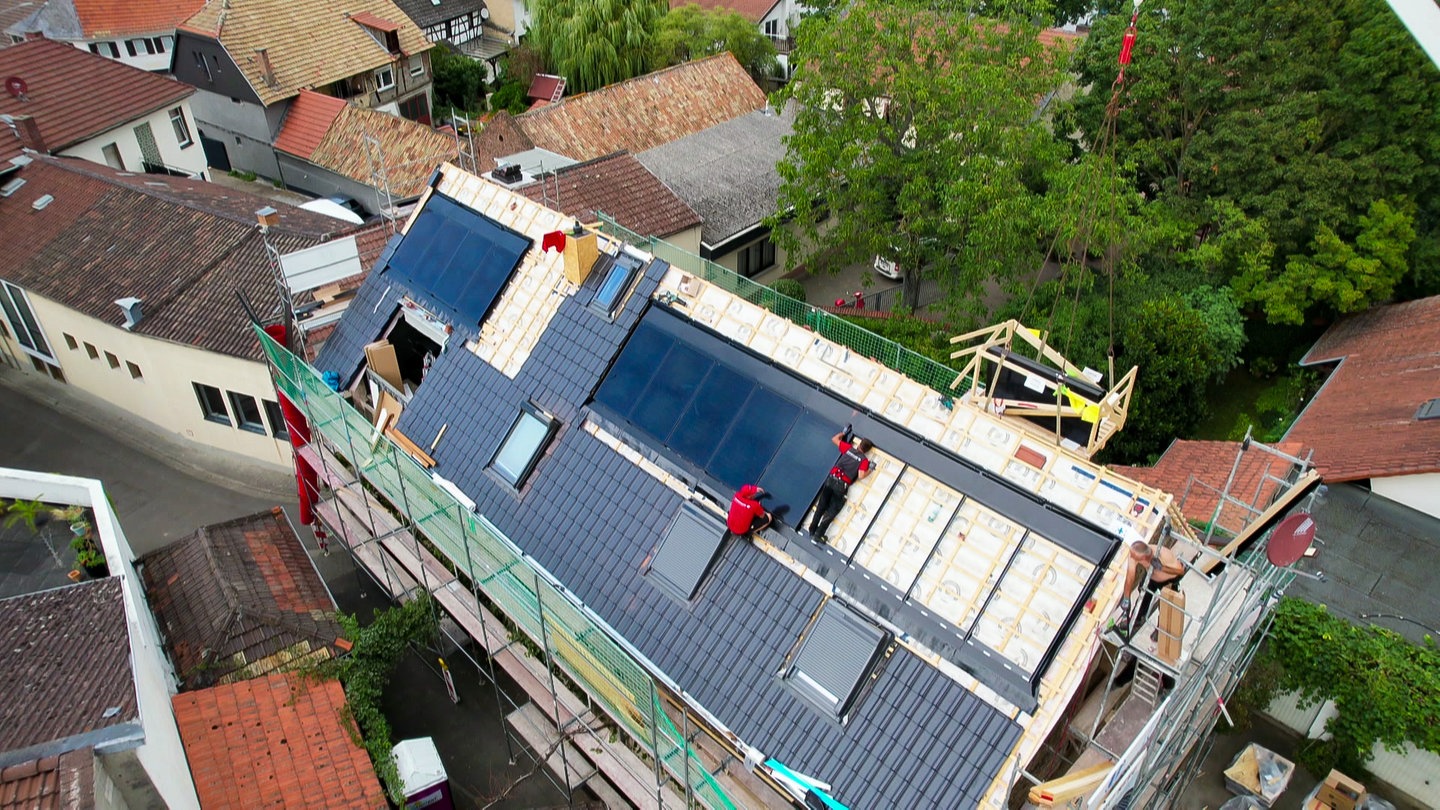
386, 33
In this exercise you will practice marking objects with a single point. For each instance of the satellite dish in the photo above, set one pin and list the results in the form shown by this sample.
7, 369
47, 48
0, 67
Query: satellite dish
16, 86
1290, 539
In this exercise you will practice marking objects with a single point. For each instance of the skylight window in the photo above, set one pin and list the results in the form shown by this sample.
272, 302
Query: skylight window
617, 281
835, 659
520, 451
1429, 410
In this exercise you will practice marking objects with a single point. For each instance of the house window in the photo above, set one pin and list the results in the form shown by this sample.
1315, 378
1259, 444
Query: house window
212, 403
247, 412
276, 418
23, 323
756, 258
109, 49
384, 79
521, 449
392, 41
134, 370
772, 29
182, 129
112, 156
70, 342
417, 66
415, 109
92, 351
203, 65
112, 359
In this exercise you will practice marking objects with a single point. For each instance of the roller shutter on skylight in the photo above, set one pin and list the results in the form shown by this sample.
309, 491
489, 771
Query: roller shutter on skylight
835, 659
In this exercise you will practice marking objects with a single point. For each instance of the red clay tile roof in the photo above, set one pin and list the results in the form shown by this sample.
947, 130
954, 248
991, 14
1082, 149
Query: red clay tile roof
66, 665
309, 43
752, 10
645, 111
369, 20
184, 247
306, 122
1195, 473
239, 599
1362, 421
277, 741
64, 782
621, 187
117, 18
74, 94
544, 85
411, 150
499, 135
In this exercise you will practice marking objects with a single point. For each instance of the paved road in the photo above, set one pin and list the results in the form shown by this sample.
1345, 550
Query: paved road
163, 488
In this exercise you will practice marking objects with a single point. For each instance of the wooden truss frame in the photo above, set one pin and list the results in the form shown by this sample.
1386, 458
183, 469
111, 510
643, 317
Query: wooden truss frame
989, 350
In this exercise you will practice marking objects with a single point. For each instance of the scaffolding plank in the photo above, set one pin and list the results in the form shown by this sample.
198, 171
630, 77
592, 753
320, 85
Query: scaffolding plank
391, 577
561, 757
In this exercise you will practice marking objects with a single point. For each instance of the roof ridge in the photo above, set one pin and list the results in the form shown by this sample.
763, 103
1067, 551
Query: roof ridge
555, 105
592, 161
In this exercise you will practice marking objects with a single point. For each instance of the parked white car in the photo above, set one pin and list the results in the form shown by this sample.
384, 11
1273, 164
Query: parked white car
887, 268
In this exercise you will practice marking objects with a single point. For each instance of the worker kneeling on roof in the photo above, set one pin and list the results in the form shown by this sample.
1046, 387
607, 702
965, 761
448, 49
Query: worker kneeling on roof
746, 513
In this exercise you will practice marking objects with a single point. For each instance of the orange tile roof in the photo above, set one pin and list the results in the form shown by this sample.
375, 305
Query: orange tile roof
1362, 421
378, 23
277, 741
307, 121
117, 18
309, 43
646, 111
64, 782
752, 10
74, 94
1195, 472
411, 150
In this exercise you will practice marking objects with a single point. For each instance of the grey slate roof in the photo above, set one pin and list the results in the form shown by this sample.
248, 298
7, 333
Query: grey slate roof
917, 739
425, 13
727, 172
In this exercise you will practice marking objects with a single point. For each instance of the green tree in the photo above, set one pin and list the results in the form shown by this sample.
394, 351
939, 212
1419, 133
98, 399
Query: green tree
1226, 125
690, 32
459, 80
593, 43
918, 130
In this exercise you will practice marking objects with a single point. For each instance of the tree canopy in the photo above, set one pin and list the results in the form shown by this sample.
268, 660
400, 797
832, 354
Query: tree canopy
918, 130
459, 80
593, 43
690, 32
1328, 168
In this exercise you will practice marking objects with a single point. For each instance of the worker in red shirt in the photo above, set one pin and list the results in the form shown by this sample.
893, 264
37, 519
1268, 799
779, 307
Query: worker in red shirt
746, 513
852, 465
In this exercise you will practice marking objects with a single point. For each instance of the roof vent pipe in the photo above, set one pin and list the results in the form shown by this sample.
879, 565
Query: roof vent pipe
131, 308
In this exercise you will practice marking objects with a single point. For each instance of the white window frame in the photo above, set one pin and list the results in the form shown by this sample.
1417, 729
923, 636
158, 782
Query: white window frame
181, 127
380, 85
538, 429
17, 302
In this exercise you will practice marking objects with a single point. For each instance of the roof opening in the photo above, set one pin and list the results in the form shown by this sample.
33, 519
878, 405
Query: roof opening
42, 201
1429, 410
686, 552
11, 187
836, 659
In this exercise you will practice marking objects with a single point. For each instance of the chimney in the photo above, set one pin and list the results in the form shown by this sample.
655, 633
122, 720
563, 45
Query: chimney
267, 71
28, 131
131, 308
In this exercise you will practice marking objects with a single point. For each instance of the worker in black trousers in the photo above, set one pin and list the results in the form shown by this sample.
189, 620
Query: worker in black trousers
852, 465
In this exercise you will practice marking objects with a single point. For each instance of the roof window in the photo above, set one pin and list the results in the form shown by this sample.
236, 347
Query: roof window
686, 552
616, 282
1429, 410
835, 659
521, 450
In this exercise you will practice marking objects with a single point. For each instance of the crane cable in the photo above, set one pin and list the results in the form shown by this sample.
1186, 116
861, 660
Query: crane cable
1104, 148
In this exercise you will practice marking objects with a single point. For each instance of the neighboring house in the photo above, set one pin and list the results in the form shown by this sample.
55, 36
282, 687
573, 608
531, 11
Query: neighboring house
776, 19
249, 61
139, 34
453, 21
1198, 473
728, 174
646, 111
1377, 417
240, 600
80, 105
11, 12
330, 146
588, 435
276, 741
84, 242
621, 187
86, 721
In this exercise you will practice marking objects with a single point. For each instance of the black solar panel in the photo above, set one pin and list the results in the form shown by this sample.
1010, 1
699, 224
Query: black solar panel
686, 551
835, 657
682, 396
458, 258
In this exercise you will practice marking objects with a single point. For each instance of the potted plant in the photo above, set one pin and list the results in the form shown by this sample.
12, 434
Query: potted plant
75, 516
32, 513
88, 557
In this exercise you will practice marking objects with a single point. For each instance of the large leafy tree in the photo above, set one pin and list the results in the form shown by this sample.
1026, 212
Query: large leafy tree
1234, 119
593, 43
919, 130
691, 32
459, 80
